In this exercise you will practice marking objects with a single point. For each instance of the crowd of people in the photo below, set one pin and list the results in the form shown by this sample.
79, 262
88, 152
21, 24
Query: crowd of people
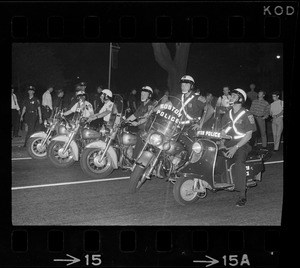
228, 113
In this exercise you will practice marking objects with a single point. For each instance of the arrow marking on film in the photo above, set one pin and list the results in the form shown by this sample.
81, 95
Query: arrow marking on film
212, 261
73, 260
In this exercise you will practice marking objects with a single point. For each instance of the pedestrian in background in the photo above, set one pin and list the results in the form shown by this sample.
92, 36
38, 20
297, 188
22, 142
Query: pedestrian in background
276, 111
132, 102
209, 112
96, 99
15, 113
222, 106
252, 94
58, 101
260, 109
47, 103
223, 101
32, 108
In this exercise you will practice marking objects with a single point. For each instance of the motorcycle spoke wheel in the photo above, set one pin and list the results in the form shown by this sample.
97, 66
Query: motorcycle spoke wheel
35, 150
91, 167
55, 156
94, 165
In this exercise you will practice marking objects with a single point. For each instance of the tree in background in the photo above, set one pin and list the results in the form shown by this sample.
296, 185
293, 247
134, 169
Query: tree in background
175, 67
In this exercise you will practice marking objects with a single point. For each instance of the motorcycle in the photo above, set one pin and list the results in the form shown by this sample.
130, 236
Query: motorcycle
164, 152
101, 157
199, 173
39, 141
66, 148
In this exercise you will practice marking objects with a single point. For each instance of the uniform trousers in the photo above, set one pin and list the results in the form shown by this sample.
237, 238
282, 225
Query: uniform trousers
277, 128
15, 121
239, 175
31, 119
261, 123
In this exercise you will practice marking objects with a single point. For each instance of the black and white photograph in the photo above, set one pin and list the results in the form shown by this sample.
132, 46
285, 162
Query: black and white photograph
147, 134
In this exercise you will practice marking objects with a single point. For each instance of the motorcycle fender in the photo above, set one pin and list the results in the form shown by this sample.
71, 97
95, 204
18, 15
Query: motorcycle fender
73, 145
145, 158
111, 151
60, 138
40, 134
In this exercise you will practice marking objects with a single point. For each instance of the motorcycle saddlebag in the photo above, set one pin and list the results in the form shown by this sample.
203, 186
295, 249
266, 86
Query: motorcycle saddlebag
254, 165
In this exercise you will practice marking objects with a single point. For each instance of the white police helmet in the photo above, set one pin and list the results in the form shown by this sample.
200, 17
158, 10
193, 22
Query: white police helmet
107, 92
187, 79
241, 93
147, 89
80, 93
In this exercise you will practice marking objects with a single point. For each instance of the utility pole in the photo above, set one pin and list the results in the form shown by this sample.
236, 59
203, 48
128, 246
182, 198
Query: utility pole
116, 48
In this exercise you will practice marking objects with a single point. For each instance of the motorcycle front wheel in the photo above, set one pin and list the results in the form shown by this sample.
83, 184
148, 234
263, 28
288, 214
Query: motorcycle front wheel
183, 191
35, 149
90, 165
137, 179
55, 156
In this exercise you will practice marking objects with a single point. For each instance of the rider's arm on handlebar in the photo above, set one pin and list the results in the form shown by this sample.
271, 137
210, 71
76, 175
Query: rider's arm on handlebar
131, 118
99, 115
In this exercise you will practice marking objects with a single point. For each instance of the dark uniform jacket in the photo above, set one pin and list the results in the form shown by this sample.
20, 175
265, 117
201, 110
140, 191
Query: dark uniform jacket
243, 124
142, 110
194, 108
31, 105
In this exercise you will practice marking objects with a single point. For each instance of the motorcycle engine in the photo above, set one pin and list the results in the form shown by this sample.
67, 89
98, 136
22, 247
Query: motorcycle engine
179, 158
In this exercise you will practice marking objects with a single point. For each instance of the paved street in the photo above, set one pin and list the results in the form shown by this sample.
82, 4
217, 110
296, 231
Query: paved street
45, 195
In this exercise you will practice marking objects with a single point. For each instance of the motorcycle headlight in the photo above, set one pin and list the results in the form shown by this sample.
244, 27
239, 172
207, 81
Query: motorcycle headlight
197, 147
156, 139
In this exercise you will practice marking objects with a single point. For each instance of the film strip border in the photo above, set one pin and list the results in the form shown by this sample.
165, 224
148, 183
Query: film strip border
132, 21
142, 246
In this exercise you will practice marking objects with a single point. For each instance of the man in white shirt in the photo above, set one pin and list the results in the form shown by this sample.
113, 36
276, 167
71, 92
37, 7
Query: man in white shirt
15, 113
106, 109
47, 103
81, 106
276, 111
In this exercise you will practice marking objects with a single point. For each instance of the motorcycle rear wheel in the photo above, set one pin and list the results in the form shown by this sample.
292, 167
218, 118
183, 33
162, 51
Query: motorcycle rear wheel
137, 179
90, 168
183, 191
55, 159
33, 150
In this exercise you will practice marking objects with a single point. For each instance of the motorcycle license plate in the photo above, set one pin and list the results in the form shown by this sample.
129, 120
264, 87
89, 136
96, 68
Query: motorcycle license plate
209, 134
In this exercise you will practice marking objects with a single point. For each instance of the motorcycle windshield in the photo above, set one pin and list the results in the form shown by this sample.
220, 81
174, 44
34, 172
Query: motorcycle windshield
117, 110
167, 117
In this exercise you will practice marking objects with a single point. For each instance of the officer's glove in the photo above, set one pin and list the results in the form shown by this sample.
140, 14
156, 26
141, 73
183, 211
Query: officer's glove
196, 127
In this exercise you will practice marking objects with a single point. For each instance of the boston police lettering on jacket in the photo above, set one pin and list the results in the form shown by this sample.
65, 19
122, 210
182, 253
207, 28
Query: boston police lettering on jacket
237, 124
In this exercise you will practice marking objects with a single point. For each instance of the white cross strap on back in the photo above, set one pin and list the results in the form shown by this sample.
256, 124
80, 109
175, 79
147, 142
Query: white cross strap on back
184, 103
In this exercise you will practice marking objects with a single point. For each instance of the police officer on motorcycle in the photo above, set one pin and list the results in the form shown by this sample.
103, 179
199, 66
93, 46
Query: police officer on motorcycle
192, 109
141, 115
81, 105
107, 108
192, 103
239, 123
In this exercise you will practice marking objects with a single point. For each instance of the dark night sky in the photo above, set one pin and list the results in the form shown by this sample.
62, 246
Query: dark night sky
211, 65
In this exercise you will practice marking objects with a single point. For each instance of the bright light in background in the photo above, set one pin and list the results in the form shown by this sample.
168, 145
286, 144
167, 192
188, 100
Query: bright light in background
278, 57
